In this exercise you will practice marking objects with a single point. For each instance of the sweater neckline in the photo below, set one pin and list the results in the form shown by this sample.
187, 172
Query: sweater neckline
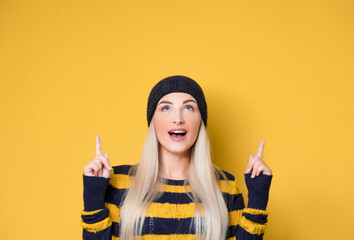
174, 181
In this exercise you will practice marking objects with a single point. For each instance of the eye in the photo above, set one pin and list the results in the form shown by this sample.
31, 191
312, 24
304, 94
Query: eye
165, 107
189, 107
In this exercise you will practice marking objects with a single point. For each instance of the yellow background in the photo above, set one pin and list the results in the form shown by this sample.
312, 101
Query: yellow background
275, 70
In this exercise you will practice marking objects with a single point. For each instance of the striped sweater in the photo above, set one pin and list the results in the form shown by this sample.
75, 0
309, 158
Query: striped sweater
170, 216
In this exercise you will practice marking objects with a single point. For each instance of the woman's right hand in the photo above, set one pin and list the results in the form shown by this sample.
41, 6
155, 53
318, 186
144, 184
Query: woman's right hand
99, 165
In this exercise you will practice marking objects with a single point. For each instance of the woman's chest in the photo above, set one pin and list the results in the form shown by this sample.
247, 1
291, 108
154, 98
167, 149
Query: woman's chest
172, 213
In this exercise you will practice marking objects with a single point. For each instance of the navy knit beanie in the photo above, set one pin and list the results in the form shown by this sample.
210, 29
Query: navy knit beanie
177, 83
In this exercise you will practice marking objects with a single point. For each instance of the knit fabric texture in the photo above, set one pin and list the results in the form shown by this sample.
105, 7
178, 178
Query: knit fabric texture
171, 215
176, 83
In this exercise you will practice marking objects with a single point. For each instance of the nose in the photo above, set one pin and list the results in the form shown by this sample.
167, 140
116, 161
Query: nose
178, 117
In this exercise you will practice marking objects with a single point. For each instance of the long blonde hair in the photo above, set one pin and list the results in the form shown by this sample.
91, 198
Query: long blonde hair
210, 222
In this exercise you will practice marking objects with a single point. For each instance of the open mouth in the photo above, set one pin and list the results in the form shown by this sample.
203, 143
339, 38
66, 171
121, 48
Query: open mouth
177, 135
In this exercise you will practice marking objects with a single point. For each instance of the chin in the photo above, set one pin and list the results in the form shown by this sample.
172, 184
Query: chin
177, 150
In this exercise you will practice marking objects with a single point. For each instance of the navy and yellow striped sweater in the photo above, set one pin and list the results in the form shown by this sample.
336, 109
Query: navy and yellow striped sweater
170, 216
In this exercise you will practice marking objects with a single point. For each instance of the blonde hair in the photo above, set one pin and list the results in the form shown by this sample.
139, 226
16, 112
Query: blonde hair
210, 222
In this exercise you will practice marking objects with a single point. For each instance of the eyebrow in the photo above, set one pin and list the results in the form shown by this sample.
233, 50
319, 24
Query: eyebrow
190, 100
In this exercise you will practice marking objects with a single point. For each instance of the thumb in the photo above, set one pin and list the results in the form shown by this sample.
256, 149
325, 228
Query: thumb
109, 164
106, 173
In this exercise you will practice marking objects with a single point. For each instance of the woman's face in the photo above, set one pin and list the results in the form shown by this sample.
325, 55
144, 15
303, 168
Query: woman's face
179, 112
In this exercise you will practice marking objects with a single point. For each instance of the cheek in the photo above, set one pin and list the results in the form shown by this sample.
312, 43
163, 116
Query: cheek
160, 126
195, 125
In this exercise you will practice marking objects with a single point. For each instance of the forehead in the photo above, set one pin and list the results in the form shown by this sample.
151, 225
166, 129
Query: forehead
177, 97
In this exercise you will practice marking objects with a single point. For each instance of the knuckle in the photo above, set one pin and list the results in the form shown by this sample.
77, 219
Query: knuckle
89, 165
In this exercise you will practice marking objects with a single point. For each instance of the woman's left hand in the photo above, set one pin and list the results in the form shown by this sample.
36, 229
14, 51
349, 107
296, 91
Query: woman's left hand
256, 166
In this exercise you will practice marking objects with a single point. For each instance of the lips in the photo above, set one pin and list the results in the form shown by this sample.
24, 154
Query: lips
177, 134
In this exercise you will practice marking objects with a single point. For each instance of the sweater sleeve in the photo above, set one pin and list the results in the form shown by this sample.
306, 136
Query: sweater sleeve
95, 219
249, 223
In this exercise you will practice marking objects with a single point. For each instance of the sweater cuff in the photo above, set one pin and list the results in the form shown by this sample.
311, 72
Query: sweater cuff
258, 190
94, 192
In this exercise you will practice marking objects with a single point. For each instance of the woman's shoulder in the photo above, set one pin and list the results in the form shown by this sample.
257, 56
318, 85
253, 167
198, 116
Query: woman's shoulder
122, 169
227, 182
224, 175
120, 178
228, 175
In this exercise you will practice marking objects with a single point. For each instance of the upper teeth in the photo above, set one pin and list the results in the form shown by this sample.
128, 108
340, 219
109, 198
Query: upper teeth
178, 132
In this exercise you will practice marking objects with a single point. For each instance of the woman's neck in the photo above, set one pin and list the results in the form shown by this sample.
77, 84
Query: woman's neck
174, 166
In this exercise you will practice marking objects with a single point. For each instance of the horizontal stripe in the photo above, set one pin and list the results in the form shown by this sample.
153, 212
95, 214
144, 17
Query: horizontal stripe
228, 175
167, 210
174, 198
98, 226
176, 189
225, 187
87, 213
98, 216
124, 169
162, 226
159, 210
164, 237
229, 187
114, 212
230, 236
115, 196
252, 227
259, 218
115, 229
167, 226
121, 181
256, 211
243, 234
172, 226
235, 217
121, 169
234, 202
169, 237
104, 234
256, 215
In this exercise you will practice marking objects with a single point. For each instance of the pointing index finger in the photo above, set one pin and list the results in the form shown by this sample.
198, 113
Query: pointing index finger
98, 145
260, 149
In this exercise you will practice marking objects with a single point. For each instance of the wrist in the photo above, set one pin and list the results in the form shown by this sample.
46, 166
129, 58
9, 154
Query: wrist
94, 192
258, 190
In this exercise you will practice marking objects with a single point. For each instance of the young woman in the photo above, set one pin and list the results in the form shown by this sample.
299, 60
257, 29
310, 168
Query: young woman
174, 192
